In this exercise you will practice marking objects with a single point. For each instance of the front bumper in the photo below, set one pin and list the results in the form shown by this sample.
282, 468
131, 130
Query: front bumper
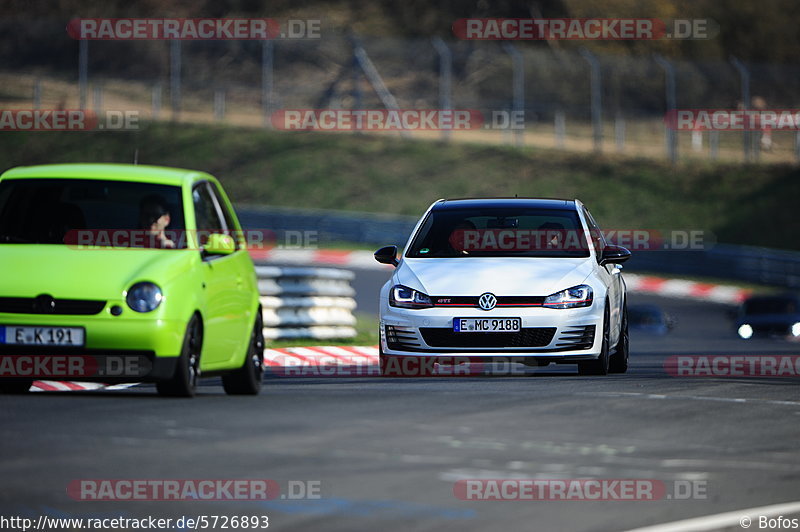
556, 335
116, 349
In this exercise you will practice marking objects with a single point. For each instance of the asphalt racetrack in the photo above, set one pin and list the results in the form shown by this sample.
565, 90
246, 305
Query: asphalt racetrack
385, 454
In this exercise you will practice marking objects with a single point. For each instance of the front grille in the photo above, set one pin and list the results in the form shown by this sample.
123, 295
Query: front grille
401, 337
577, 337
528, 337
502, 301
48, 305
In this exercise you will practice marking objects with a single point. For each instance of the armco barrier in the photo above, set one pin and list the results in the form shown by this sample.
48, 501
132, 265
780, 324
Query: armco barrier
722, 261
306, 302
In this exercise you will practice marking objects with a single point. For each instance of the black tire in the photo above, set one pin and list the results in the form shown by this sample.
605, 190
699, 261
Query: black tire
619, 360
598, 366
187, 373
15, 386
247, 379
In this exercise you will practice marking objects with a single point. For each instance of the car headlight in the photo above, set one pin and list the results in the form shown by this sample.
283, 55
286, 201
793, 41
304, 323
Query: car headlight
144, 297
577, 296
405, 297
745, 331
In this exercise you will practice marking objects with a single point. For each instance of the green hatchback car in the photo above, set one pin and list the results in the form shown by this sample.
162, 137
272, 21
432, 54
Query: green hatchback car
125, 273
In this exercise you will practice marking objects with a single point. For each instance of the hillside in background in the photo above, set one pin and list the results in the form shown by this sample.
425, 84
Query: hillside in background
742, 204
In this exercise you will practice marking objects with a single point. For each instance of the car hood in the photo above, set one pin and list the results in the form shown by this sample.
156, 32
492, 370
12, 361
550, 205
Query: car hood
500, 276
29, 270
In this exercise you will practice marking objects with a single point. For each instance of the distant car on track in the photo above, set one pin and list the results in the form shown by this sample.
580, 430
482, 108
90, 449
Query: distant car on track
650, 319
127, 273
769, 315
531, 280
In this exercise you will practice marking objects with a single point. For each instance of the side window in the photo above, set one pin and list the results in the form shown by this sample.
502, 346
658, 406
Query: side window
205, 211
230, 227
598, 241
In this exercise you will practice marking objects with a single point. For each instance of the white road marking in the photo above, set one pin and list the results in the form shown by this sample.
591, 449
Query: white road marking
694, 398
724, 520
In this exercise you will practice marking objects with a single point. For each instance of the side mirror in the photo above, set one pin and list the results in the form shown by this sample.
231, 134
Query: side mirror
219, 244
614, 255
387, 255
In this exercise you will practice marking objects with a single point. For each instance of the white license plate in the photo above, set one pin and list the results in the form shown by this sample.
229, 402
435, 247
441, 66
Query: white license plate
479, 325
63, 336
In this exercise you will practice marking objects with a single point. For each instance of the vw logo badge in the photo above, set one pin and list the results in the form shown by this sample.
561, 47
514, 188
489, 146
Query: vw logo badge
487, 301
44, 304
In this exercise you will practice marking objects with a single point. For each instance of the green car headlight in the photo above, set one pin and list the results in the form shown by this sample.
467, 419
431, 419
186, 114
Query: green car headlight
144, 297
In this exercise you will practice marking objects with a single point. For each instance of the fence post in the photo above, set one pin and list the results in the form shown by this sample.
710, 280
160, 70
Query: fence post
358, 96
175, 77
713, 144
597, 98
797, 145
37, 94
445, 78
561, 128
219, 105
156, 100
671, 100
619, 132
83, 71
518, 82
267, 80
97, 98
362, 61
744, 74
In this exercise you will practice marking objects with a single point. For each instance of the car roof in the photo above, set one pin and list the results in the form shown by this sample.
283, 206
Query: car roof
531, 203
161, 175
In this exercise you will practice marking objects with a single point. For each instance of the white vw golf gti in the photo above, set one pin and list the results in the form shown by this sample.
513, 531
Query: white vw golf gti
529, 280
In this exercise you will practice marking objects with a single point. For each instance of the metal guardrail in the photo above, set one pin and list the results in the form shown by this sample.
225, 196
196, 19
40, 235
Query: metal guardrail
723, 261
327, 225
306, 302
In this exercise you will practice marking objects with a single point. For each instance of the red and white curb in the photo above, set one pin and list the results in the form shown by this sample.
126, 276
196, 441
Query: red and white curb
321, 356
681, 288
68, 386
325, 356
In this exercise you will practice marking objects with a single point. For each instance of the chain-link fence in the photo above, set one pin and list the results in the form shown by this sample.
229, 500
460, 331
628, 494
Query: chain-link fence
571, 99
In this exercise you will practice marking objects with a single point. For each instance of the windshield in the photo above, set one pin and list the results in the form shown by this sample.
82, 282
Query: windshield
500, 232
91, 212
770, 305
